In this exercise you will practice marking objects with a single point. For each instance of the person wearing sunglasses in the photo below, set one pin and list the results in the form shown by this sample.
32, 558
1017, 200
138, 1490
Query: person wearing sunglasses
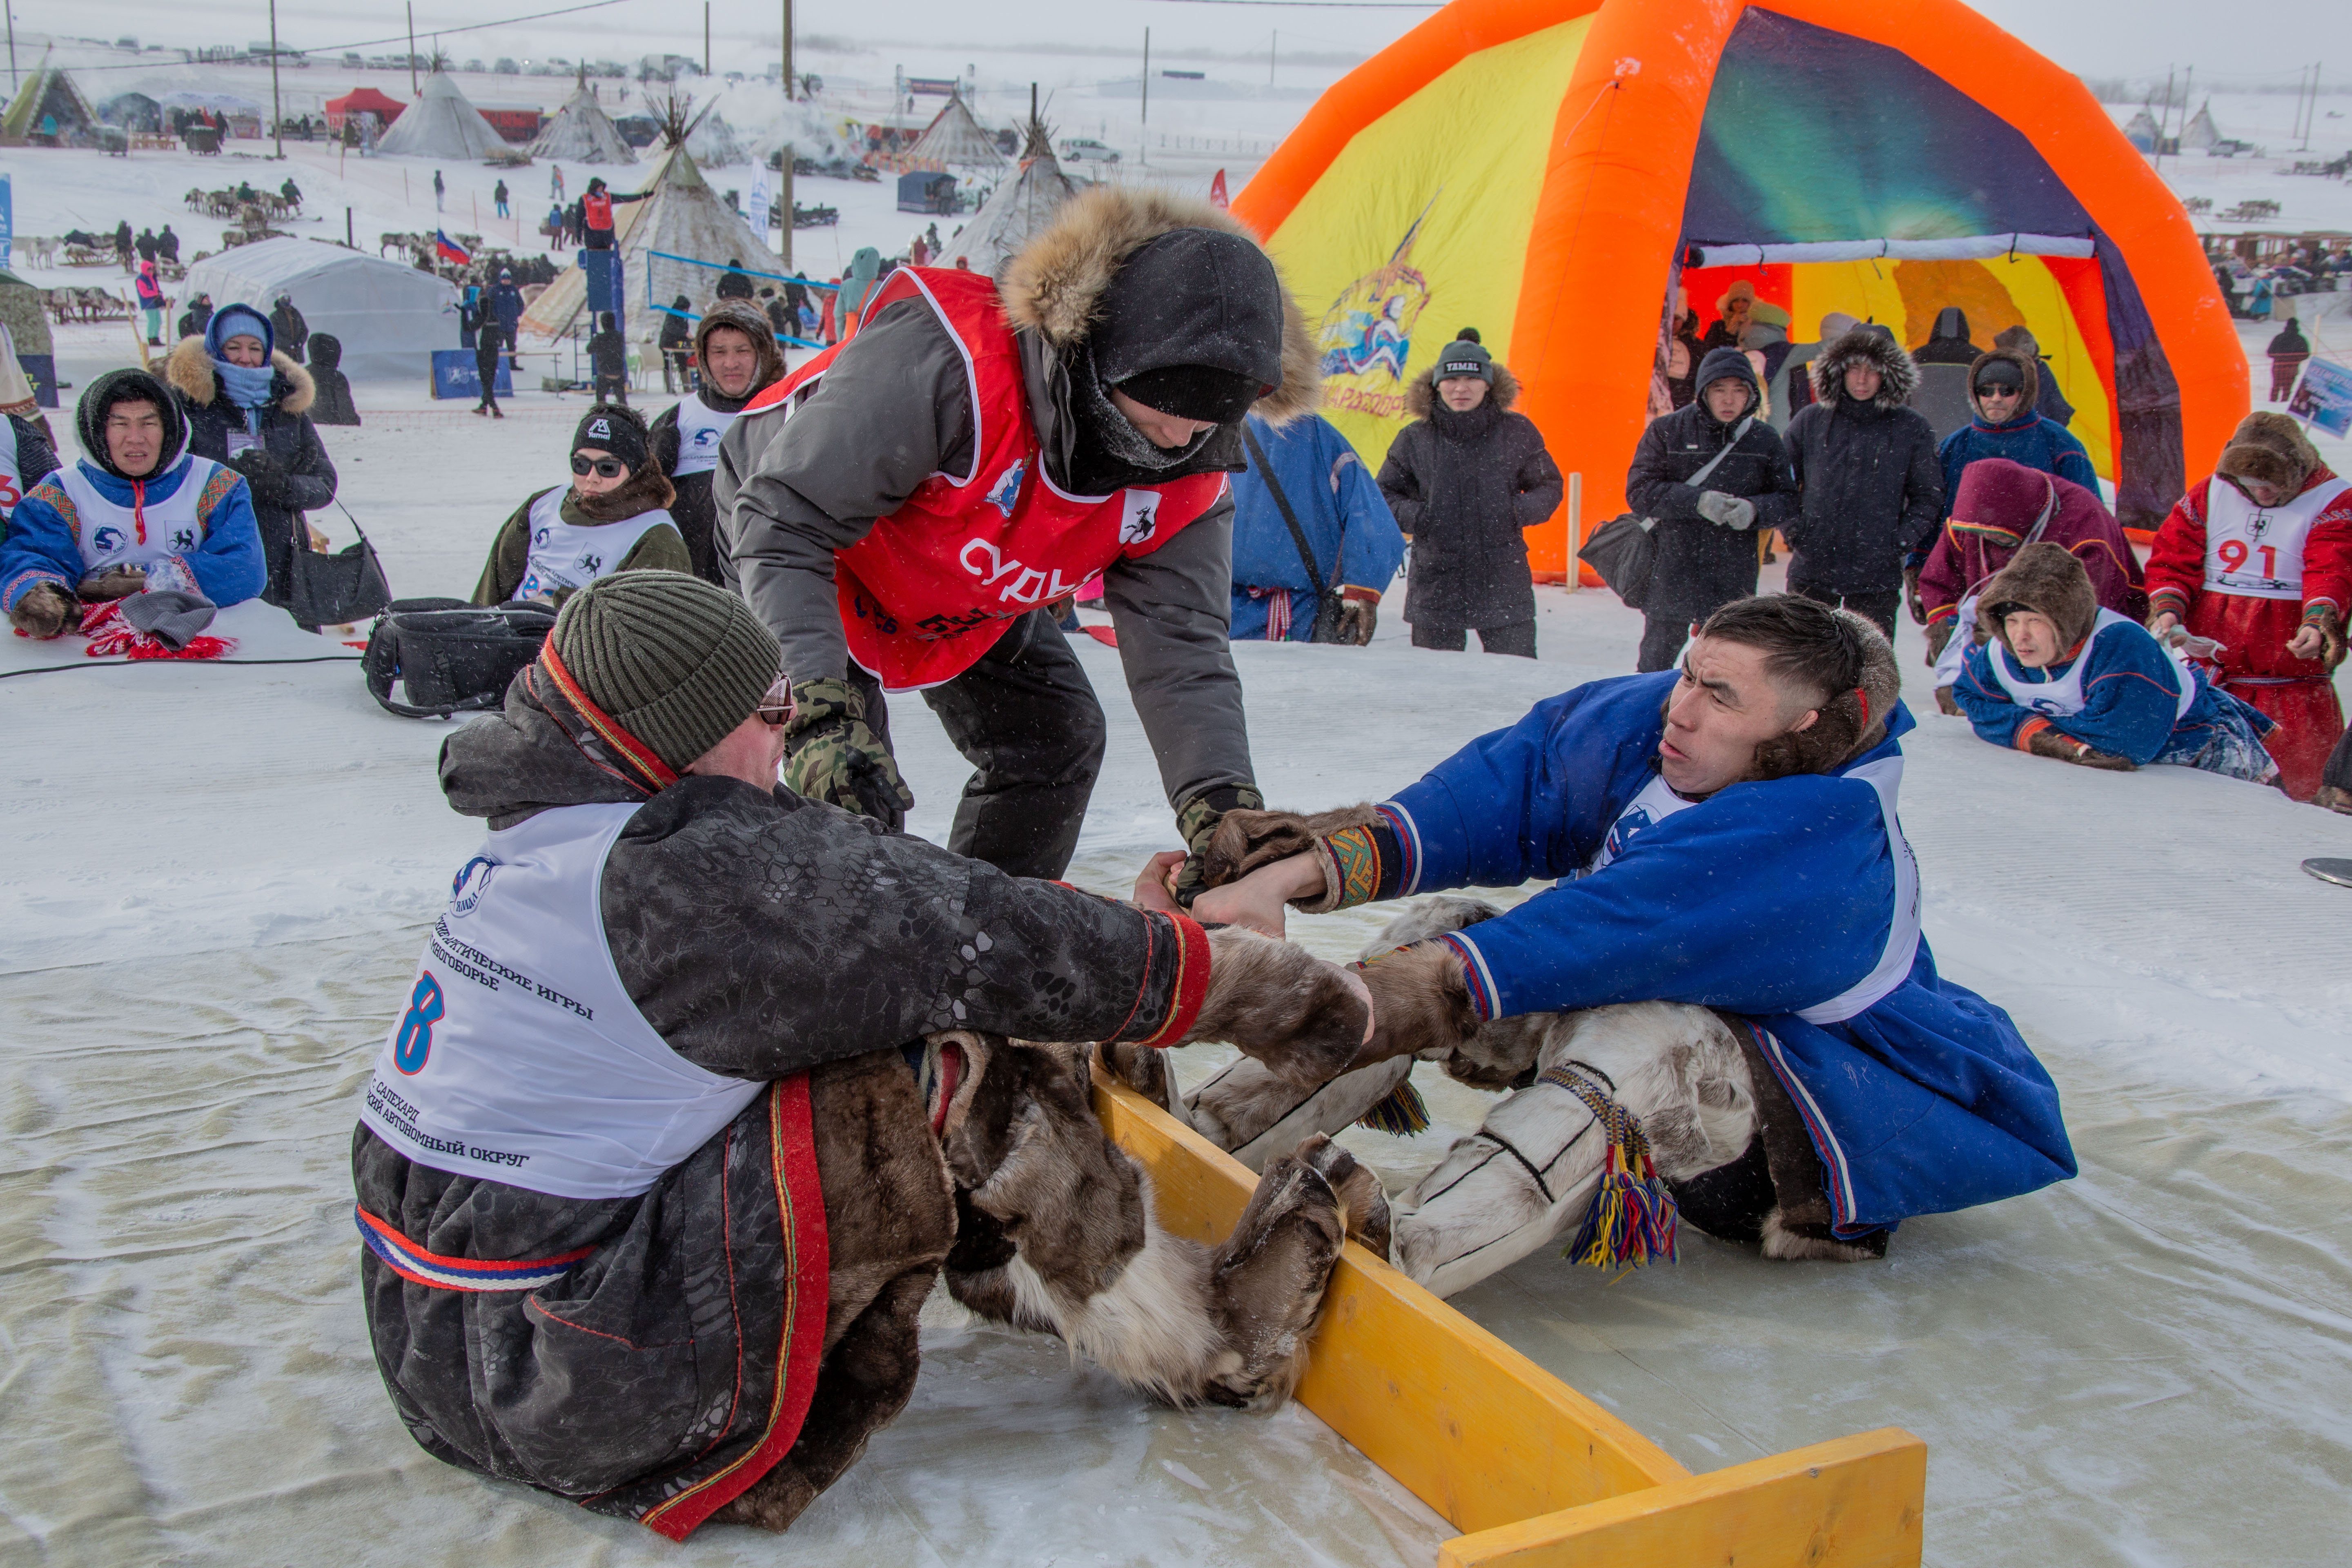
614, 517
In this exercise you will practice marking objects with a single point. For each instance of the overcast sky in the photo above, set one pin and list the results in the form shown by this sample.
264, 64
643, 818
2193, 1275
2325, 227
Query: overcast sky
2093, 37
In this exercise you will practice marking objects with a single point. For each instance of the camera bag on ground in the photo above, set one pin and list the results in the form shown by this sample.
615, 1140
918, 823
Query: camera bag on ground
450, 657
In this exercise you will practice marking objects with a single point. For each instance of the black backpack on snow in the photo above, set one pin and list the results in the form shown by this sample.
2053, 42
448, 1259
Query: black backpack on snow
450, 657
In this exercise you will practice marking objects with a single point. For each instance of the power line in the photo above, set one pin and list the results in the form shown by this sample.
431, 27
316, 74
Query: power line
359, 44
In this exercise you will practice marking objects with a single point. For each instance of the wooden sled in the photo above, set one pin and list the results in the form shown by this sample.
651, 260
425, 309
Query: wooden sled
1532, 1472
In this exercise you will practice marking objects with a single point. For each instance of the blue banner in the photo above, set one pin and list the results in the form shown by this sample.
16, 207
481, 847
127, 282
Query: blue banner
8, 222
455, 375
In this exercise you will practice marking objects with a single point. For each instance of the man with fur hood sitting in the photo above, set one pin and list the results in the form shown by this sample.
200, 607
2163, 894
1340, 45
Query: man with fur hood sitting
900, 509
1728, 977
700, 1085
2058, 675
613, 517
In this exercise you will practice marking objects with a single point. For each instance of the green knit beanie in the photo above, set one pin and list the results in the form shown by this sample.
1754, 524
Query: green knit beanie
676, 661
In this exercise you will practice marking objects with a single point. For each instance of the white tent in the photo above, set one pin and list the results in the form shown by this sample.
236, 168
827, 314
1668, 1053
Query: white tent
389, 316
441, 124
1021, 206
582, 133
2202, 135
682, 217
954, 141
714, 143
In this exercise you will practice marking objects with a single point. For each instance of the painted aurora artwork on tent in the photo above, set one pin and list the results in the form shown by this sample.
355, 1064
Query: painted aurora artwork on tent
1551, 171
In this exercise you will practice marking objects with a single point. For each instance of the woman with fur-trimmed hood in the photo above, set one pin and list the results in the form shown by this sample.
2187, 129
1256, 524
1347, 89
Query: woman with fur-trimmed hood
613, 517
247, 404
734, 350
899, 510
1870, 491
2258, 558
1463, 480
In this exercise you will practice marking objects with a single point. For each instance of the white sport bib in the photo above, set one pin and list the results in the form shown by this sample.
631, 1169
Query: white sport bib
569, 556
2063, 695
12, 476
2256, 551
699, 431
520, 1057
1657, 802
144, 534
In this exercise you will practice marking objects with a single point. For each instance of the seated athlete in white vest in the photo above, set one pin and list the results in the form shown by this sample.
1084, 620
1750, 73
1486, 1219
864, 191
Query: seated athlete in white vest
2063, 677
738, 358
699, 1083
141, 512
614, 517
1723, 837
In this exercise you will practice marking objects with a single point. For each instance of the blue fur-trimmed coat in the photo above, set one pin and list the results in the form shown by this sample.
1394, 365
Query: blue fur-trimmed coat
1765, 899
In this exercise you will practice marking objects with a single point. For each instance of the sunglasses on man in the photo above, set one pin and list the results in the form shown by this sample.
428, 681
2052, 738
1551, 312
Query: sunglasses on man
776, 707
602, 467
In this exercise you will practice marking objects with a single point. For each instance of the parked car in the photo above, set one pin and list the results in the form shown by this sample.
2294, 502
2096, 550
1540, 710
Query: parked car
1081, 150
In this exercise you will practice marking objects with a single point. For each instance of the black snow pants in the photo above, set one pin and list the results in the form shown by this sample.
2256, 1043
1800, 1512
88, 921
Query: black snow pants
1517, 639
1026, 718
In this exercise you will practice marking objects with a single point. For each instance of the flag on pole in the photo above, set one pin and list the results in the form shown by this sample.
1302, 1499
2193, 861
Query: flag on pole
448, 249
1217, 190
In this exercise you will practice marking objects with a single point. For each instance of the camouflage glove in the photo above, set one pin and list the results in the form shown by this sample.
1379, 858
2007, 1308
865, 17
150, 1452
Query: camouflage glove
45, 611
1911, 597
1197, 821
2051, 743
832, 756
1359, 613
114, 582
1938, 634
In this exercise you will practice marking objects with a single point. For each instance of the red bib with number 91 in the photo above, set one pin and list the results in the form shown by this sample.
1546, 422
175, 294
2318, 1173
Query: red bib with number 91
2256, 551
937, 582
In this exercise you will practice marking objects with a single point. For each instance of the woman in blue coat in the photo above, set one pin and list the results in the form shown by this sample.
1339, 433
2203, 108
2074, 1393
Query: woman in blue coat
1350, 534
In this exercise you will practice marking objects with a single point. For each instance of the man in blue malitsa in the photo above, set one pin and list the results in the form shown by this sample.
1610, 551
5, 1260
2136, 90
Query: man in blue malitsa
1724, 1006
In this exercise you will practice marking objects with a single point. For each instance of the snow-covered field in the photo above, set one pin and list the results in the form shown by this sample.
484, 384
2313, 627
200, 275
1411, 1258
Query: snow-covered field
216, 888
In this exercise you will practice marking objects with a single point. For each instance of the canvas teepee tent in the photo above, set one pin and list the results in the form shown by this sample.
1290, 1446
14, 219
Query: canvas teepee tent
582, 133
681, 216
1021, 206
2202, 135
441, 124
714, 143
954, 141
48, 93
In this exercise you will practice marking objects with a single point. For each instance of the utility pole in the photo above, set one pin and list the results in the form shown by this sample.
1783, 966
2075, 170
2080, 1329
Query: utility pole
1145, 155
12, 51
1272, 45
2164, 118
411, 46
705, 37
277, 109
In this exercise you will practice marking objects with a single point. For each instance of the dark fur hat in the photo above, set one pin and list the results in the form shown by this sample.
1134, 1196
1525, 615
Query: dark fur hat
2046, 579
2272, 449
2028, 366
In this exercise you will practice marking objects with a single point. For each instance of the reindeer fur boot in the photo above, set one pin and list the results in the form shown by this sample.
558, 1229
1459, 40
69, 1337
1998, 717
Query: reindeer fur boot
1057, 1235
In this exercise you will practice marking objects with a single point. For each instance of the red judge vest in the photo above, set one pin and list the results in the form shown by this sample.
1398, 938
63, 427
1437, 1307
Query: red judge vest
935, 584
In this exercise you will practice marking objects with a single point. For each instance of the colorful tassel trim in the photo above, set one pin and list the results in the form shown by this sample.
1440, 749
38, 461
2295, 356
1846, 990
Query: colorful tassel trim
1401, 1113
1633, 1220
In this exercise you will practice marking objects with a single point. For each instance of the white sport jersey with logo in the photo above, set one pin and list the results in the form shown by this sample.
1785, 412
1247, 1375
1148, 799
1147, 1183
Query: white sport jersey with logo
148, 534
2256, 551
2063, 695
569, 556
520, 1057
699, 427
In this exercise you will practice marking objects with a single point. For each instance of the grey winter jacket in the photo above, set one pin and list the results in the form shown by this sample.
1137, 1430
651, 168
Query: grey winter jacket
1464, 486
1871, 487
1703, 566
761, 935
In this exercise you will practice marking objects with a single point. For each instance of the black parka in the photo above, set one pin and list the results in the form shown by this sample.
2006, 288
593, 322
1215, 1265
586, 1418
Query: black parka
1870, 485
1703, 566
1464, 486
289, 474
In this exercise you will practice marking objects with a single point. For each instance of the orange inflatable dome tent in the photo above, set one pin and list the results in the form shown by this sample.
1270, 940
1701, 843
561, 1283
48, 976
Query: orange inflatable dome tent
1550, 171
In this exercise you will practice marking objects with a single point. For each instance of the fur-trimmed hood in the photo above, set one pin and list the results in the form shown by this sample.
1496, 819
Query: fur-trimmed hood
2045, 578
1421, 392
1872, 346
189, 370
1054, 285
2272, 449
646, 490
753, 323
2026, 364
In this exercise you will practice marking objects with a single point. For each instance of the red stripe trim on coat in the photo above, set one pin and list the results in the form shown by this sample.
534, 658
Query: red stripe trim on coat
1192, 987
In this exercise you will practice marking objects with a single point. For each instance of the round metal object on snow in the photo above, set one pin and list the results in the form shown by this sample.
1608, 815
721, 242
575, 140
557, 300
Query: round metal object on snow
2337, 871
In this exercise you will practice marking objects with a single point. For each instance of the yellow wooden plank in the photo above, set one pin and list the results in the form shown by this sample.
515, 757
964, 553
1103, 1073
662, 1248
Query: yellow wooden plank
1477, 1430
1855, 1503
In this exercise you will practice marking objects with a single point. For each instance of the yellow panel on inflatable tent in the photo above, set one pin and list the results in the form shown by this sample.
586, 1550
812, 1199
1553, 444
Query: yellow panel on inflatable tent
1549, 170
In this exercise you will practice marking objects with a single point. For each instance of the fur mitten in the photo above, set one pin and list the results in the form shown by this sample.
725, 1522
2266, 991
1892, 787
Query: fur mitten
2051, 743
1938, 634
2330, 626
1911, 597
1245, 840
44, 611
114, 582
1948, 705
1360, 614
1420, 1004
1306, 1018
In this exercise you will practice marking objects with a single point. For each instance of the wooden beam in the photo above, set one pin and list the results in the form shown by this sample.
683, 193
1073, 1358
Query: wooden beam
1470, 1425
1857, 1502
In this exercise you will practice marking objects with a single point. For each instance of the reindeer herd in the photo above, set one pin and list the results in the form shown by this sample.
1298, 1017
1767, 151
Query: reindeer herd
231, 203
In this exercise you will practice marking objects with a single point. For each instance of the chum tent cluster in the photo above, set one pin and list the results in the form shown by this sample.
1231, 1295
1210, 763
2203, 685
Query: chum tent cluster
1550, 171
